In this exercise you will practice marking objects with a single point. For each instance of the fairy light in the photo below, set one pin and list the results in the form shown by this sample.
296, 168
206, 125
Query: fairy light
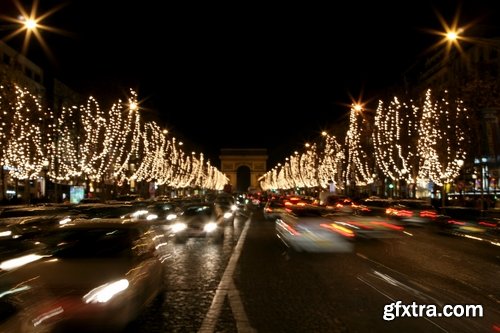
395, 138
88, 144
358, 163
312, 168
330, 164
441, 141
26, 147
7, 112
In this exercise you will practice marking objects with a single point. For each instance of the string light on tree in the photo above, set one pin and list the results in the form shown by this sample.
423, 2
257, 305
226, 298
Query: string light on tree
359, 164
442, 139
395, 139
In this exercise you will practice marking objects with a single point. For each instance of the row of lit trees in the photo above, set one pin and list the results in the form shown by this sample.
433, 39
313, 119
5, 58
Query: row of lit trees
86, 144
412, 142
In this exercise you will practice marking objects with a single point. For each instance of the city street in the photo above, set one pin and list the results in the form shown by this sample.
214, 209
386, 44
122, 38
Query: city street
276, 290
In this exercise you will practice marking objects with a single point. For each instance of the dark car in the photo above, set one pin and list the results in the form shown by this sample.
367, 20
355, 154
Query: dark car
93, 275
198, 220
160, 211
274, 208
225, 206
468, 222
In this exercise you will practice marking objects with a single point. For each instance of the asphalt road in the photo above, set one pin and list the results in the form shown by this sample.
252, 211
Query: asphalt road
253, 283
283, 291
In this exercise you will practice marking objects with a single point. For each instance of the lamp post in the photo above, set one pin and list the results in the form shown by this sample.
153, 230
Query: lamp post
45, 165
484, 181
460, 164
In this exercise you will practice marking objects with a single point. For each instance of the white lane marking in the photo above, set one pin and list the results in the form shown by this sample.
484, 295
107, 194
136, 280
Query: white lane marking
227, 287
392, 299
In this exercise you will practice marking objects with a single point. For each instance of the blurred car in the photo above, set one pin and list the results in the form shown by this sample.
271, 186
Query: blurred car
306, 228
225, 206
373, 206
93, 276
242, 203
278, 205
469, 222
92, 211
274, 208
338, 202
13, 213
364, 224
198, 220
160, 211
412, 212
13, 245
28, 228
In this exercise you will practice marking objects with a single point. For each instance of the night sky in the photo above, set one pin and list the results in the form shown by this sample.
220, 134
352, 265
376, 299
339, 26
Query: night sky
240, 74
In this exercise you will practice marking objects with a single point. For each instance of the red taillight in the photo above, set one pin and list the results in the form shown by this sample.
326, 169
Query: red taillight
487, 224
399, 212
456, 222
428, 213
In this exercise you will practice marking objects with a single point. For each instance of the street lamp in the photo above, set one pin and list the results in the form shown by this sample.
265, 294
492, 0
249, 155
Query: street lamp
30, 23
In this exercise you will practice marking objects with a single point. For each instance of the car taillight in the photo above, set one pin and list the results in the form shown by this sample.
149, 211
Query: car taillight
428, 213
487, 224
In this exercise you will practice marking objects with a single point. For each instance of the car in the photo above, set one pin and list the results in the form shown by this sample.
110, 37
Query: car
197, 220
90, 211
225, 206
273, 209
469, 222
373, 206
307, 229
96, 275
278, 205
364, 224
412, 212
242, 202
43, 210
160, 211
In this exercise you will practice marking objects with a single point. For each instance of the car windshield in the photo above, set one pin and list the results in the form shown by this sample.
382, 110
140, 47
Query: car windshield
198, 210
91, 243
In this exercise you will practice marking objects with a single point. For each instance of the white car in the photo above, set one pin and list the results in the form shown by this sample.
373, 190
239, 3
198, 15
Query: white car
306, 229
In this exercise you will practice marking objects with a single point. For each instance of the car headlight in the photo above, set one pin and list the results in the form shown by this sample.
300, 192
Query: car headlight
171, 217
151, 217
14, 263
228, 215
139, 213
210, 226
105, 292
178, 227
234, 207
